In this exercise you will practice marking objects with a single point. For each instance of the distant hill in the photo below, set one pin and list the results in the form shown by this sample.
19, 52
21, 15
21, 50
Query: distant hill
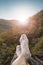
6, 24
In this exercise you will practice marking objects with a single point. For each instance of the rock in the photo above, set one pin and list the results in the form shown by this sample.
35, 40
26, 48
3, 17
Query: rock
20, 61
24, 42
22, 51
18, 50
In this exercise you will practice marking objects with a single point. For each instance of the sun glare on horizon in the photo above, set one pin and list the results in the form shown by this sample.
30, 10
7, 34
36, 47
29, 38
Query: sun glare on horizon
22, 14
22, 17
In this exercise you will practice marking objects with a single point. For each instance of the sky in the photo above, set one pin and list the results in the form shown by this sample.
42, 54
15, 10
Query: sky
19, 9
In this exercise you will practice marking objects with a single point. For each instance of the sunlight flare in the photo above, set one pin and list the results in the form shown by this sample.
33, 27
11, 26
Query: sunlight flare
22, 15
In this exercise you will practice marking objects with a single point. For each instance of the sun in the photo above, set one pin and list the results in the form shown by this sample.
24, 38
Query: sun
21, 15
22, 19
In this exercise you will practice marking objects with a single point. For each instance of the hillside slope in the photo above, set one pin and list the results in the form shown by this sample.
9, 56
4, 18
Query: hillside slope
4, 25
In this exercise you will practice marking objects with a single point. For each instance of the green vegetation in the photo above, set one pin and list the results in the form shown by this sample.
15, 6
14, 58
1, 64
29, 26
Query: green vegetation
10, 39
38, 48
8, 42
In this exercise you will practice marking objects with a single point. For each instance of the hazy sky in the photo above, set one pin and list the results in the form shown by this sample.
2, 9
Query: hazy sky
19, 9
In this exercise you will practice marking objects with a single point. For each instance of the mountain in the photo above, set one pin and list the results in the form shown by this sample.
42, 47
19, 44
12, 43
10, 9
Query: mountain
11, 32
